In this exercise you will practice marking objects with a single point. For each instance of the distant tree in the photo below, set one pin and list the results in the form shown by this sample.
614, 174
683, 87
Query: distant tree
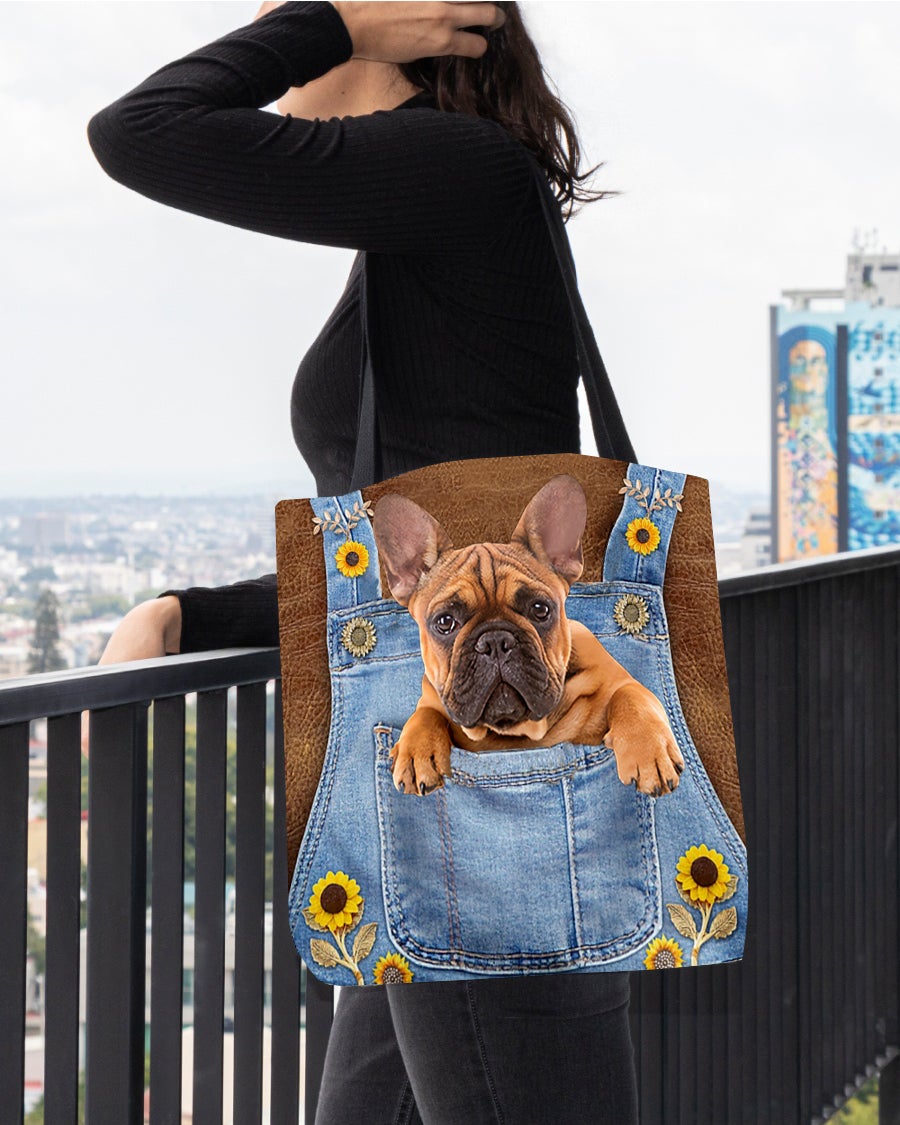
45, 655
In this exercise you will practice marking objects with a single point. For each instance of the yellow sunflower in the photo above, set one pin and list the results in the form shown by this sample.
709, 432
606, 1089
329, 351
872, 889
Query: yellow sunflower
392, 969
702, 875
352, 558
664, 953
335, 900
642, 535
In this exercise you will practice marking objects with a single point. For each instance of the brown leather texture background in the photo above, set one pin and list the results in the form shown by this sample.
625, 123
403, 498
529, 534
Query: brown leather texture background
480, 501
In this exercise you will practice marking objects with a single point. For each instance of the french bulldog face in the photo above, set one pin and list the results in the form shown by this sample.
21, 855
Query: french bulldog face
492, 624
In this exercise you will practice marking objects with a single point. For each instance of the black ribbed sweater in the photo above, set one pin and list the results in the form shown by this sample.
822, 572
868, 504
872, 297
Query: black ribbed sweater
471, 333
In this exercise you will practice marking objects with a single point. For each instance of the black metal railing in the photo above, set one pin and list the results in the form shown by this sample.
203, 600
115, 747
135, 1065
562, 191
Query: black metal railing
784, 1036
115, 1005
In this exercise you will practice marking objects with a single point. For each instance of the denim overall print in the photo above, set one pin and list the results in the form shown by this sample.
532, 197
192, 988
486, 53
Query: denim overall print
525, 861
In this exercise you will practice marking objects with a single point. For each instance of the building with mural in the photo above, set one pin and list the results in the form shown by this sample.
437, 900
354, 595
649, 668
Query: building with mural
836, 413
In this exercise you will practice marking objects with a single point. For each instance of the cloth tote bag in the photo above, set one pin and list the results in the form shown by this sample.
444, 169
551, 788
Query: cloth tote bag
508, 736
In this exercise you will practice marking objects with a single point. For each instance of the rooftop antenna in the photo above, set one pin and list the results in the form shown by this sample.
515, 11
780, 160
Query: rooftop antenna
866, 241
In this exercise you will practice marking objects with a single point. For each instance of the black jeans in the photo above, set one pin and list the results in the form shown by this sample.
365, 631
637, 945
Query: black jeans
533, 1050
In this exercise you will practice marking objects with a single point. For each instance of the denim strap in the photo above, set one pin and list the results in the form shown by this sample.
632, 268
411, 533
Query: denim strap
345, 592
637, 556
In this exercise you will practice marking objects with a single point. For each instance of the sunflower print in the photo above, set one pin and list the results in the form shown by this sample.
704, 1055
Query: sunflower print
664, 953
642, 535
392, 968
352, 559
703, 881
702, 875
335, 901
336, 907
358, 636
631, 613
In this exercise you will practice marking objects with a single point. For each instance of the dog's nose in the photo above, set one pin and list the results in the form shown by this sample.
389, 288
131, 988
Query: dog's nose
496, 643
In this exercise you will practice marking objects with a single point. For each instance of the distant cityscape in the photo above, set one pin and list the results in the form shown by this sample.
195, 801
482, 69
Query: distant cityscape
101, 555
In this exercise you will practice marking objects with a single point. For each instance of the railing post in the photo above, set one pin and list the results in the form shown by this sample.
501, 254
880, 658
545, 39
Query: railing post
285, 959
167, 965
249, 897
889, 1093
14, 853
209, 923
116, 937
61, 989
319, 1017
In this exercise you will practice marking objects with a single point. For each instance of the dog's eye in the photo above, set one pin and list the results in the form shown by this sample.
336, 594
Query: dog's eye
445, 623
540, 611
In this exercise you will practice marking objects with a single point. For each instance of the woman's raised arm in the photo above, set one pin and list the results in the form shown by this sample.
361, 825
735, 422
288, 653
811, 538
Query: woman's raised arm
193, 136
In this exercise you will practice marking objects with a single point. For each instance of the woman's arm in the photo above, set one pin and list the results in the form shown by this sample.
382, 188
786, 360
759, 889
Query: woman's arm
193, 136
244, 614
240, 615
198, 619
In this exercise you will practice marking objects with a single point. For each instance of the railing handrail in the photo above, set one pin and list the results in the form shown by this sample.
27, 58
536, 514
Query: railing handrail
47, 694
794, 573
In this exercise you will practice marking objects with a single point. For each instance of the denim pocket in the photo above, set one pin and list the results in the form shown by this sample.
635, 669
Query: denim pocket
523, 860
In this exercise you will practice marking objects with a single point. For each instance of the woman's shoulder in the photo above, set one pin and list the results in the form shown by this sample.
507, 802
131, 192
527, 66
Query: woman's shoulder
422, 110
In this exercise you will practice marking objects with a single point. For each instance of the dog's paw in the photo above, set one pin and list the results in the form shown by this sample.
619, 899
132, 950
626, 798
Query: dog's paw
647, 756
420, 764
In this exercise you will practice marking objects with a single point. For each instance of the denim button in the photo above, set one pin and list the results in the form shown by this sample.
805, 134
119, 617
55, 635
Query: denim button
358, 636
631, 613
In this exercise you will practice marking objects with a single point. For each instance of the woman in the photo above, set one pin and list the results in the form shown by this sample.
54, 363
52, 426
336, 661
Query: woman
405, 136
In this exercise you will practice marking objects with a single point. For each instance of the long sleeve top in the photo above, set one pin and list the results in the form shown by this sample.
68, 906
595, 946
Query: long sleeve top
469, 325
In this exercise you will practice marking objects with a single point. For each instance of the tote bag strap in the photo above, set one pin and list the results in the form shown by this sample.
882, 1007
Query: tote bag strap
606, 418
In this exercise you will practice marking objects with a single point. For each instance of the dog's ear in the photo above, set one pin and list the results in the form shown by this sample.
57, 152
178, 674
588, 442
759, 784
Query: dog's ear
409, 541
552, 526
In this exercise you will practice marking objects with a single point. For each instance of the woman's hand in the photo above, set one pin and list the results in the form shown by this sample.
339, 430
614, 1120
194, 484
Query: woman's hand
403, 31
152, 628
268, 6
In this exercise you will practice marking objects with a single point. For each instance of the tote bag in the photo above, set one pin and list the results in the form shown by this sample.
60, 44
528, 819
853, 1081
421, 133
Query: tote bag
508, 736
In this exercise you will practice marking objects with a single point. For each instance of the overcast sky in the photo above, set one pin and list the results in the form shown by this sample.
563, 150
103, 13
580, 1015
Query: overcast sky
146, 349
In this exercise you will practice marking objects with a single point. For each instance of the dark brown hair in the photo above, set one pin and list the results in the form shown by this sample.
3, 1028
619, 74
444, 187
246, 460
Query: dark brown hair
509, 85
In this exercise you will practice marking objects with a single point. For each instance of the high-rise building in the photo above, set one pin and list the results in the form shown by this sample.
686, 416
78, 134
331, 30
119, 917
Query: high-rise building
45, 530
836, 413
